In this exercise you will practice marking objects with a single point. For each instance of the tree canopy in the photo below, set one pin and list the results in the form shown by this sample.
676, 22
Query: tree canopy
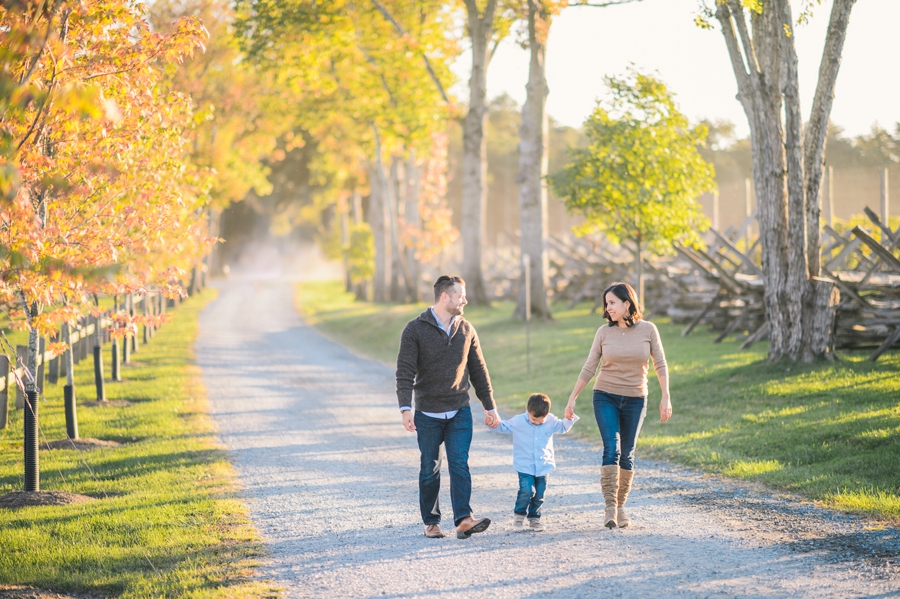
639, 176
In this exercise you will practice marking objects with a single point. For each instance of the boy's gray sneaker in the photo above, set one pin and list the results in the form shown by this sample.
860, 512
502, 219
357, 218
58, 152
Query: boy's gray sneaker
518, 523
536, 525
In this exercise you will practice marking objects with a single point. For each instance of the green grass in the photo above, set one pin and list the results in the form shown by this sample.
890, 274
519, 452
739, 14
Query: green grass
828, 431
166, 522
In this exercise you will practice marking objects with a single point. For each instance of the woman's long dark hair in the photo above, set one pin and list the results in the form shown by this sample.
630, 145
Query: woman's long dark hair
625, 293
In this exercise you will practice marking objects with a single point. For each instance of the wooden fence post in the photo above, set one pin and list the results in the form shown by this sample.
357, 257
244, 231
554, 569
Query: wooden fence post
114, 338
63, 362
715, 218
151, 311
885, 204
98, 361
747, 213
4, 393
42, 345
76, 345
526, 265
53, 372
21, 358
134, 338
145, 308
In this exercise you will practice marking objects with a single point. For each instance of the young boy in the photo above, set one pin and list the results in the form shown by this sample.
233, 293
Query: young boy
533, 456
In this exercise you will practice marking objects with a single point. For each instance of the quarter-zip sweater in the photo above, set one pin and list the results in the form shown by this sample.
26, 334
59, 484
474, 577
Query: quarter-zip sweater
440, 367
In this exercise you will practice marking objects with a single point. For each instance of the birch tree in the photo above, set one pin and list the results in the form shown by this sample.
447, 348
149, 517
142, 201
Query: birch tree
485, 28
788, 161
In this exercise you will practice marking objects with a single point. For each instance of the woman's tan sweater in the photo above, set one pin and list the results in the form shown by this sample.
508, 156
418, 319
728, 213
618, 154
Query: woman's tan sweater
625, 354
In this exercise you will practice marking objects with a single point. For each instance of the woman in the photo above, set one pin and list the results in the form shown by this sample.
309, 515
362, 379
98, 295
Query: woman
624, 347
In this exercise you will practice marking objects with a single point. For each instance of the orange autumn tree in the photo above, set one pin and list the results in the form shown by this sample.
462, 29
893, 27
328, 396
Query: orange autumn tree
95, 187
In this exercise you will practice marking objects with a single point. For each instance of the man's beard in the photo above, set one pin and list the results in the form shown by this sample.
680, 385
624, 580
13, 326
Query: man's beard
455, 311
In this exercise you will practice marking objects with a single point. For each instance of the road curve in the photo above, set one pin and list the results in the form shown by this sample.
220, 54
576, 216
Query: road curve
330, 479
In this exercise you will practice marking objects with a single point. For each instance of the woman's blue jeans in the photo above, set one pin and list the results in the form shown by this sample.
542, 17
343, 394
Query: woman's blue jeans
619, 418
456, 435
531, 495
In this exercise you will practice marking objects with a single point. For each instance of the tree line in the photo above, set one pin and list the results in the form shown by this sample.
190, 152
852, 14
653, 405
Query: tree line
372, 80
128, 128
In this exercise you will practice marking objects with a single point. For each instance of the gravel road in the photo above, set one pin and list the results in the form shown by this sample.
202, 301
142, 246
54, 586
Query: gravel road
330, 478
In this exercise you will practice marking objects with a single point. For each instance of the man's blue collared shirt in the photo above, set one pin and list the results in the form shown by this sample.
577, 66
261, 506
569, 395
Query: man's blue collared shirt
441, 324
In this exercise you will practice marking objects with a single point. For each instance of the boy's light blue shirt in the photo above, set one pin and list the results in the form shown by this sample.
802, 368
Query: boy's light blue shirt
533, 443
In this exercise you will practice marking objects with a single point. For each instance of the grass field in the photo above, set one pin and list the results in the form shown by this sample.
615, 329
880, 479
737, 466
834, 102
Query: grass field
165, 522
828, 431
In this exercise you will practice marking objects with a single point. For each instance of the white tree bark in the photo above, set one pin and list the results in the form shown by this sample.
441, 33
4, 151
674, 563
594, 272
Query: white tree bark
817, 127
787, 180
798, 283
413, 218
533, 161
474, 161
378, 222
398, 281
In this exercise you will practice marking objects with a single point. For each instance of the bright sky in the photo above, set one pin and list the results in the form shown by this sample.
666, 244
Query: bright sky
659, 35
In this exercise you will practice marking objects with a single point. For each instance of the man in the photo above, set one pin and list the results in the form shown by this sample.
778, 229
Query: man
439, 356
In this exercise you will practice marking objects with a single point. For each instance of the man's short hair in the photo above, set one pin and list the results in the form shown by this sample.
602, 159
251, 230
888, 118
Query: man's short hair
443, 285
538, 405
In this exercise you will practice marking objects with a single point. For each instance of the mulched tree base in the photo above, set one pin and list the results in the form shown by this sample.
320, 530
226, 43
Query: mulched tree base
18, 499
79, 444
17, 592
109, 403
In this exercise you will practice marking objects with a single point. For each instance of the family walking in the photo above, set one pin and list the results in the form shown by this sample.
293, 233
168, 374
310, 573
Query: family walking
440, 357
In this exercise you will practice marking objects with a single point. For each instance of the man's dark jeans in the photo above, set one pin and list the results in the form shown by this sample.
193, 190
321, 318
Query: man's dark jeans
619, 418
531, 495
456, 435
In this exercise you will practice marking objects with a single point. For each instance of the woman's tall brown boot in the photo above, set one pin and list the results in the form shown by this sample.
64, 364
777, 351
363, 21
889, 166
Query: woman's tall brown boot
625, 478
609, 484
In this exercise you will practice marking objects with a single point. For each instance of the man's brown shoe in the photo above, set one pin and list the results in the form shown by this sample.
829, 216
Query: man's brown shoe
433, 531
470, 526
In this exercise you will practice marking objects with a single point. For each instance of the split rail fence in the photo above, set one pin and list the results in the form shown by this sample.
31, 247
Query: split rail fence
722, 286
87, 339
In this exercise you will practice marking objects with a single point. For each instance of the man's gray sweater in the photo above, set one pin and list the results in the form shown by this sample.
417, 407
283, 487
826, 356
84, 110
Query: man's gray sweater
439, 367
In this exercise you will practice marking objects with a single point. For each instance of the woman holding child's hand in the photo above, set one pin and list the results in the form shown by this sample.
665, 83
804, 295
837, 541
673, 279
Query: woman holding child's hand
622, 349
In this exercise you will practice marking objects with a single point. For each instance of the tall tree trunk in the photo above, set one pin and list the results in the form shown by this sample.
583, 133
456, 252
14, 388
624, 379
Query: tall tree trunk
414, 219
819, 311
817, 127
378, 222
785, 173
345, 240
474, 161
798, 283
399, 282
638, 274
31, 428
533, 161
357, 213
215, 253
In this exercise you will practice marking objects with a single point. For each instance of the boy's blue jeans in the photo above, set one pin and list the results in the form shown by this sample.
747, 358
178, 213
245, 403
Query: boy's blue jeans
456, 435
531, 495
619, 418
